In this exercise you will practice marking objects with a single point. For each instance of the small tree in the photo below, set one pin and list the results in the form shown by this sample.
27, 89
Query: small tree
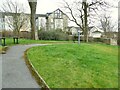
107, 25
15, 17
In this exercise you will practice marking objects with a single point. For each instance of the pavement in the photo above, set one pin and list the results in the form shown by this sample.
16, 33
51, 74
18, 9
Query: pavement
15, 73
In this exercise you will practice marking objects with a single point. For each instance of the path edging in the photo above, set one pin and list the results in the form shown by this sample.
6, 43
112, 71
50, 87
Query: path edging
35, 73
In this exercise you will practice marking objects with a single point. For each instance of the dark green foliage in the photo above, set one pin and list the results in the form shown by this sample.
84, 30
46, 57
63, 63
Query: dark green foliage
97, 39
53, 35
74, 37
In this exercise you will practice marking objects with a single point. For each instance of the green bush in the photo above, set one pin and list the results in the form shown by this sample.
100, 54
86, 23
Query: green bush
53, 35
97, 40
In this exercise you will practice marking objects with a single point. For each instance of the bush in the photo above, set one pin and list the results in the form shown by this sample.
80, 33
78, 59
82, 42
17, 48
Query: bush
52, 35
6, 33
97, 40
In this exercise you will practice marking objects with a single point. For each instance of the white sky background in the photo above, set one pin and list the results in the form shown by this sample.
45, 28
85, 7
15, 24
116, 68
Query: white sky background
45, 6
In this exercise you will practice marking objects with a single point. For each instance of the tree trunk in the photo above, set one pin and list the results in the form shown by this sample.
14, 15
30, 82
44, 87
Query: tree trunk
118, 41
85, 22
34, 34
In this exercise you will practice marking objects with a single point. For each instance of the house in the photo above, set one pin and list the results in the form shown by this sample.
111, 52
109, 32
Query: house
2, 24
52, 21
41, 21
49, 21
95, 32
56, 20
73, 30
6, 21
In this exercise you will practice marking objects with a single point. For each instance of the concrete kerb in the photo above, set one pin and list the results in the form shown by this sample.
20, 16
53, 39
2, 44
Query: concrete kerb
35, 73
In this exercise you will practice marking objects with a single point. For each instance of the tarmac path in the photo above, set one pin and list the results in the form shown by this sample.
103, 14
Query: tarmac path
15, 73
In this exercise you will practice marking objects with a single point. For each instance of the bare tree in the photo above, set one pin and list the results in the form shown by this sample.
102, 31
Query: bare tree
15, 17
105, 23
83, 12
34, 32
108, 26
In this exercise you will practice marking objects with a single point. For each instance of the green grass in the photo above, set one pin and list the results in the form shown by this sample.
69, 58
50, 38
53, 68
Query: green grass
9, 41
76, 66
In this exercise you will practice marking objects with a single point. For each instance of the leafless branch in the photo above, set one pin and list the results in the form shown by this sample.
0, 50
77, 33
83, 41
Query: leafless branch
14, 15
71, 13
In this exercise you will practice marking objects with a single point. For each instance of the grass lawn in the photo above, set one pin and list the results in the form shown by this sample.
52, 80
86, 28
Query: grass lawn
9, 41
76, 66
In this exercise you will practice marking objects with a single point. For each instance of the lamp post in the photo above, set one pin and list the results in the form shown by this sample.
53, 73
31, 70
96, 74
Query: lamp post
78, 36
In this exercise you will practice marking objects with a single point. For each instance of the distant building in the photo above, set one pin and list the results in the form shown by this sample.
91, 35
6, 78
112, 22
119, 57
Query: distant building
49, 21
6, 21
74, 30
56, 20
2, 22
95, 32
41, 21
52, 21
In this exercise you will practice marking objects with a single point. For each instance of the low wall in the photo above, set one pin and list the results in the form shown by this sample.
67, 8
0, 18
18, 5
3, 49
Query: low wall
110, 41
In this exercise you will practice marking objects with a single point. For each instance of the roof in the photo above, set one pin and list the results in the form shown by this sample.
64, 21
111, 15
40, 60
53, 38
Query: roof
74, 27
90, 27
96, 29
8, 13
41, 15
56, 10
37, 15
78, 28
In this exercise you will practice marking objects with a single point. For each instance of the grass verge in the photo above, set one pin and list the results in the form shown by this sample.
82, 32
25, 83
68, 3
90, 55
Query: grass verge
76, 66
34, 73
9, 41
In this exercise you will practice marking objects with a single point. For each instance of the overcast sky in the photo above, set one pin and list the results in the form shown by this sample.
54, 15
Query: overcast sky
44, 6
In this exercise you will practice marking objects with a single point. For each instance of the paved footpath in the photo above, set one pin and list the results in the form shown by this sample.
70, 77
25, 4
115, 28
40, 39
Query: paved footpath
15, 73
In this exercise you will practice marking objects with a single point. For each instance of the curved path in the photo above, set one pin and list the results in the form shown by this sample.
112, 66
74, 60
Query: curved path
15, 73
